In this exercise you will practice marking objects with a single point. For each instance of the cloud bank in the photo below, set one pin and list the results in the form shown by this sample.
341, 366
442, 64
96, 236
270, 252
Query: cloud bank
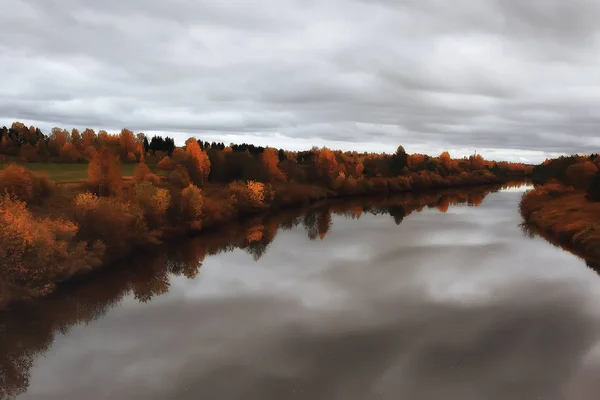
509, 79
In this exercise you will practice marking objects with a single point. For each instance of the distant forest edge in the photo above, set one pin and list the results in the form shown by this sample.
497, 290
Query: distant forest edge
564, 206
90, 214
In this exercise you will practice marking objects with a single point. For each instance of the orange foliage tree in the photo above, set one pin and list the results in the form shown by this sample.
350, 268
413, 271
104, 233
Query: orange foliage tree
198, 162
127, 143
270, 161
104, 172
326, 163
69, 153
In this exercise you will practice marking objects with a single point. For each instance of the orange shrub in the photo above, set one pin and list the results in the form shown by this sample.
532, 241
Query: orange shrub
24, 184
119, 224
36, 252
165, 164
140, 172
153, 201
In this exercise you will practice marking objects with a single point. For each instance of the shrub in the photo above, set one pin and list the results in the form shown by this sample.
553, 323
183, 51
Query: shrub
34, 253
248, 196
153, 201
117, 223
24, 184
140, 172
190, 206
152, 178
165, 164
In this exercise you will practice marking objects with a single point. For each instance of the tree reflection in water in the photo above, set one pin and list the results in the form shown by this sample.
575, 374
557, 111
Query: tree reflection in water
27, 330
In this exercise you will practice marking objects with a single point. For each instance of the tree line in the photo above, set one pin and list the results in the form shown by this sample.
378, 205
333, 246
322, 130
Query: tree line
50, 232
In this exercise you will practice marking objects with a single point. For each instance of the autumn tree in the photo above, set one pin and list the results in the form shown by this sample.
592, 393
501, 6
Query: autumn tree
270, 161
580, 175
197, 161
446, 160
326, 164
128, 145
88, 138
104, 172
190, 206
69, 153
477, 161
58, 139
29, 153
76, 139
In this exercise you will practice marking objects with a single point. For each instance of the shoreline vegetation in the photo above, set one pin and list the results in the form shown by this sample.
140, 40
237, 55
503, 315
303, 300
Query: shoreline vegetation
53, 230
564, 205
89, 296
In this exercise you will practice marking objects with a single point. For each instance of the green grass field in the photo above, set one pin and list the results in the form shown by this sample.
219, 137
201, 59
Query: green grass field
68, 172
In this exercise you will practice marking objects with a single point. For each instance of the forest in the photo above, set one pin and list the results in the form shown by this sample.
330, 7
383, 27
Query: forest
54, 229
564, 205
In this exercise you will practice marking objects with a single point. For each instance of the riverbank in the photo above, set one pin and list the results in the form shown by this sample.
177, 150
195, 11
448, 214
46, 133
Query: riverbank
565, 217
71, 231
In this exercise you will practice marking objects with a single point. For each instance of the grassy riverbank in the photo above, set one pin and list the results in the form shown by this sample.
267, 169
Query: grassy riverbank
563, 207
565, 217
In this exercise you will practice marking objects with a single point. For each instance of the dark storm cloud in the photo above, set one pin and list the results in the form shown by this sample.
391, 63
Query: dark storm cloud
509, 78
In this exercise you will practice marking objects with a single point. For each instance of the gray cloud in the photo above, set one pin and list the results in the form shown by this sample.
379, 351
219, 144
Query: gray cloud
508, 78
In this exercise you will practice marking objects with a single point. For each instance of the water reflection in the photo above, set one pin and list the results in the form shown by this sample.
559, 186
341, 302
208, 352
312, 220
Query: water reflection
376, 335
531, 232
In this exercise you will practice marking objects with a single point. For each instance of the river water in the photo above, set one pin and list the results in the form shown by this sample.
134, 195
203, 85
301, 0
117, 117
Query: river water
435, 297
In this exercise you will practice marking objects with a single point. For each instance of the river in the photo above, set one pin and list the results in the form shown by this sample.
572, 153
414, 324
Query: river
435, 297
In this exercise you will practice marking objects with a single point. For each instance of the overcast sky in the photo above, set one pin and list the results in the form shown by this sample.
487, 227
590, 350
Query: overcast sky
509, 78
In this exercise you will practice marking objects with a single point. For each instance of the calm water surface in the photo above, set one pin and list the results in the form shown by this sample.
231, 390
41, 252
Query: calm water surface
453, 305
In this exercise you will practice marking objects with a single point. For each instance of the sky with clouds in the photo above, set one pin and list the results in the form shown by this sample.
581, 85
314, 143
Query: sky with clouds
510, 79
